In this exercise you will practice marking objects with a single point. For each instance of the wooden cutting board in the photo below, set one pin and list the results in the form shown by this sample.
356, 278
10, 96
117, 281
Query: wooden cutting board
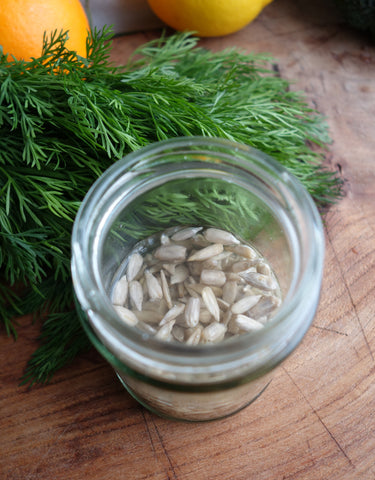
316, 420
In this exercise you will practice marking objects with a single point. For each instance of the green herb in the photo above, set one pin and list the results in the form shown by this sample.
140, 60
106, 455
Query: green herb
64, 119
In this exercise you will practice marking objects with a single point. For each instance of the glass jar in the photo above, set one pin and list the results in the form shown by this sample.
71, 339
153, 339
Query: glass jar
204, 182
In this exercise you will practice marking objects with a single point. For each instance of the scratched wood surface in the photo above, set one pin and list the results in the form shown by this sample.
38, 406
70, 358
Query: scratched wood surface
316, 420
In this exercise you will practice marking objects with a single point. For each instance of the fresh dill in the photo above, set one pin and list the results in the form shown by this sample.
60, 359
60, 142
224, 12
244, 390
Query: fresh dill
64, 119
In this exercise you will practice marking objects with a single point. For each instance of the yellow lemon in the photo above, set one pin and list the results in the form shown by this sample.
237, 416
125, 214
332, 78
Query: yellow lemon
207, 18
23, 22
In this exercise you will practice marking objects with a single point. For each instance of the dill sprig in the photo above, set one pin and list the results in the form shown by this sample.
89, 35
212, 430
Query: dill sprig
64, 119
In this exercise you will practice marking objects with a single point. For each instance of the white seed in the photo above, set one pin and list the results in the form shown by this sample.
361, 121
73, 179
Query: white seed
120, 291
199, 240
134, 266
198, 287
205, 316
155, 268
136, 294
243, 323
126, 315
173, 313
180, 275
185, 234
235, 277
192, 311
178, 333
244, 251
245, 303
264, 268
213, 333
213, 277
264, 282
223, 305
164, 332
164, 239
215, 235
210, 301
194, 336
169, 267
153, 287
165, 289
171, 253
230, 290
206, 252
227, 317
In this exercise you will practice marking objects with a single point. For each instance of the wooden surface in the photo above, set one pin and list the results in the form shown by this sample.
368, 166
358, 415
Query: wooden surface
317, 418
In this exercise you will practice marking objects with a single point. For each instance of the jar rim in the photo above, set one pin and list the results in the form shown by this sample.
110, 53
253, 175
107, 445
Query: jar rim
203, 357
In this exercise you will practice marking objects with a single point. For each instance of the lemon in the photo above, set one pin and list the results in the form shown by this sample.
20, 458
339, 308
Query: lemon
207, 18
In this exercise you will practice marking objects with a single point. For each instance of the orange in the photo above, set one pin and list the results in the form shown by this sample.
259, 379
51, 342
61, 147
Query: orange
207, 18
23, 22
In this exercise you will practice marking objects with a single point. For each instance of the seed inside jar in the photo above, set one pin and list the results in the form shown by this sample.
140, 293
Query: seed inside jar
196, 285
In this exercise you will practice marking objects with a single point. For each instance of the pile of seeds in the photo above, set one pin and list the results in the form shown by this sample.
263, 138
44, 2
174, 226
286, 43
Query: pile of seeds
197, 286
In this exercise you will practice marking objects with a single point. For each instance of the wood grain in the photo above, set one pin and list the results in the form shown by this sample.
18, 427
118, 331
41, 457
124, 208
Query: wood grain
316, 420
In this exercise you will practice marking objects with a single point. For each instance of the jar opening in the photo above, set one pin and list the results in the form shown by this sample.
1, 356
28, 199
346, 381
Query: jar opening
199, 182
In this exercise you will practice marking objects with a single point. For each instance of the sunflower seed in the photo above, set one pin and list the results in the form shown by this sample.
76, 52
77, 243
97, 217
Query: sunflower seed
134, 266
154, 289
243, 323
215, 235
165, 289
216, 278
210, 301
264, 269
120, 292
186, 233
199, 240
164, 239
264, 282
205, 316
178, 333
244, 251
173, 313
171, 253
126, 315
230, 290
206, 252
194, 336
180, 275
169, 267
223, 305
136, 294
213, 333
192, 311
164, 332
245, 303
